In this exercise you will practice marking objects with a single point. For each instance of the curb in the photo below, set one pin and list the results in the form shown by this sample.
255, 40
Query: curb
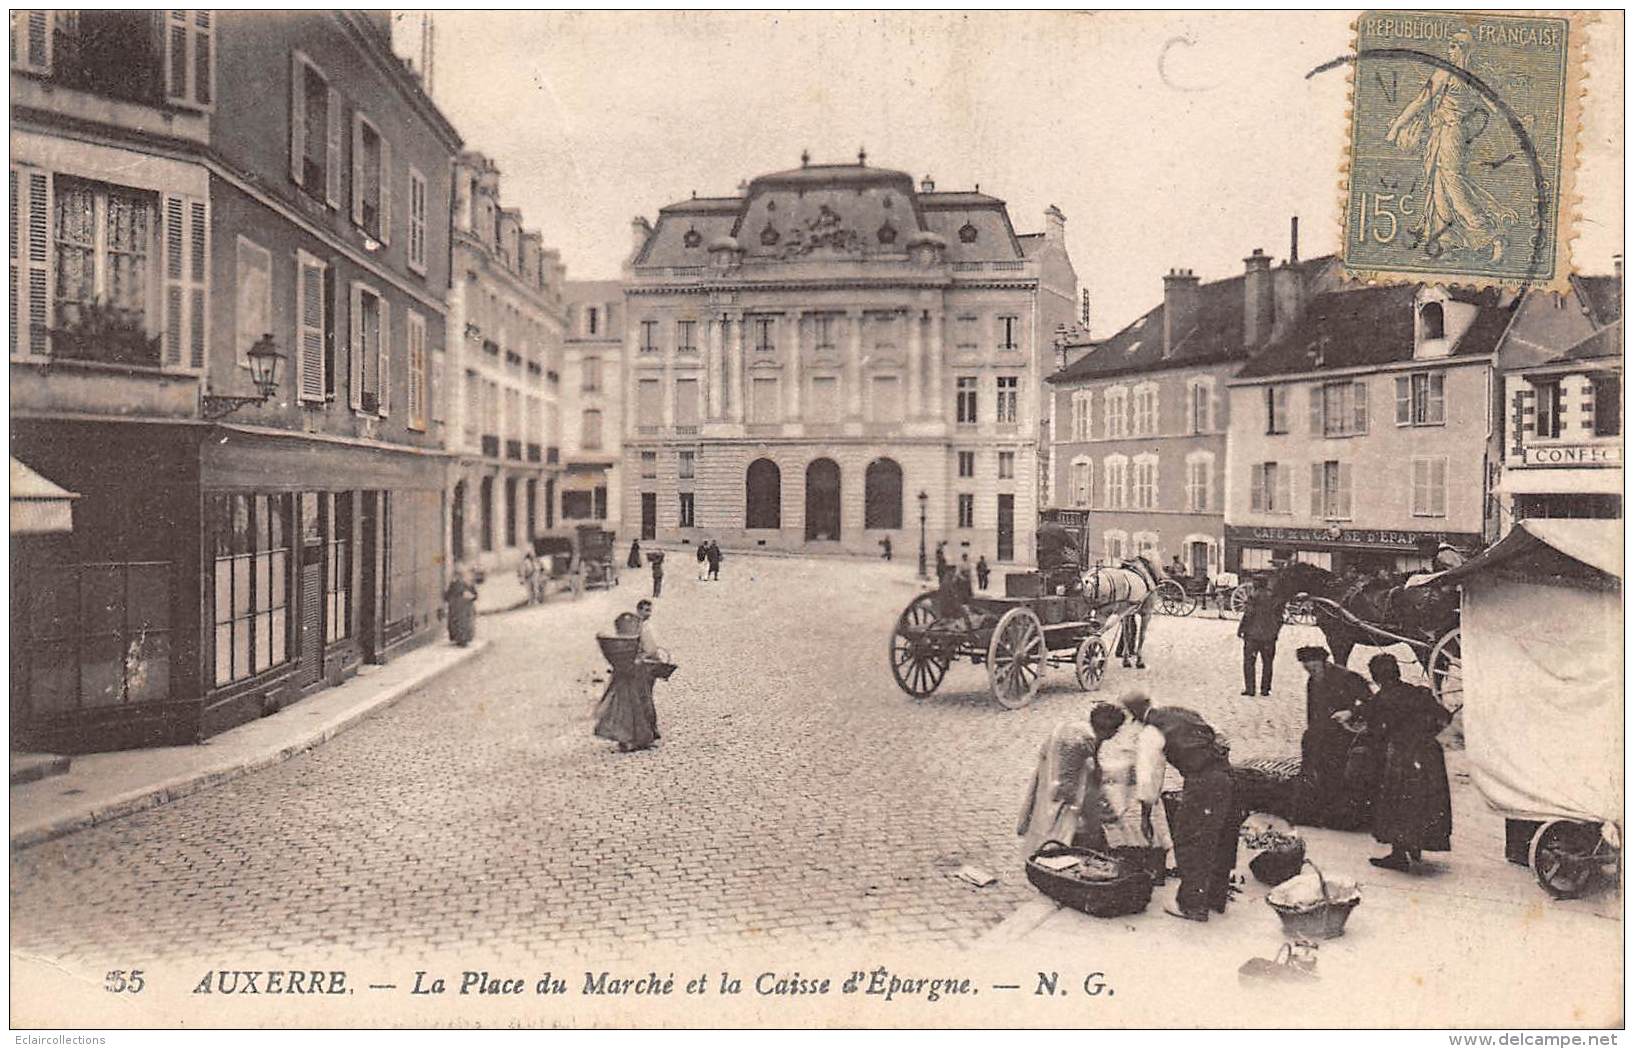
145, 798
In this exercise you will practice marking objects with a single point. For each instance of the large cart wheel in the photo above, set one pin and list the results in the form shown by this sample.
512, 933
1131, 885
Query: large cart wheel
1090, 661
1239, 599
1015, 658
1566, 857
916, 663
1447, 670
1173, 599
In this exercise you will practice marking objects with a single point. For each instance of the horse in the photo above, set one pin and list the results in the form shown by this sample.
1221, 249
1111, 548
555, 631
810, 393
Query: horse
1422, 613
1128, 591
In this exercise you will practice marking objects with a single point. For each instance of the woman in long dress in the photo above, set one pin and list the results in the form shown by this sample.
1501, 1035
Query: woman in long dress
1063, 801
625, 714
1413, 811
1119, 760
461, 596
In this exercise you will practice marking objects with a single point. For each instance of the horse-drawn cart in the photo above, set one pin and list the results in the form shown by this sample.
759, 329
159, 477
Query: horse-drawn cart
1015, 637
598, 559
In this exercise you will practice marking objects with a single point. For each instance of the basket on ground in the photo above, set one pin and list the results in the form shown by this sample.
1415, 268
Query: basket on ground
1278, 863
1321, 917
1099, 884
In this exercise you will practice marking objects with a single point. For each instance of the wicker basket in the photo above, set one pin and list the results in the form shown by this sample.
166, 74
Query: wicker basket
1324, 921
620, 650
1126, 893
1278, 863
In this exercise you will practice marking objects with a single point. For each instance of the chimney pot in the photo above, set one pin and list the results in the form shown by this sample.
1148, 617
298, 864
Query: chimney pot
926, 185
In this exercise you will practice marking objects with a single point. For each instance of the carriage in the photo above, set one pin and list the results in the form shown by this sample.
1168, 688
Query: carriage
598, 559
1183, 595
1014, 636
1543, 724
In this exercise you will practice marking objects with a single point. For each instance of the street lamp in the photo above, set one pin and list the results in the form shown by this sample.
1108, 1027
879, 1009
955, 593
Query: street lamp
264, 360
923, 499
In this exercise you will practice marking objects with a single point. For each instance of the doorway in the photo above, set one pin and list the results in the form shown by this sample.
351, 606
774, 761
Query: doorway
456, 523
649, 515
1199, 559
823, 500
1007, 528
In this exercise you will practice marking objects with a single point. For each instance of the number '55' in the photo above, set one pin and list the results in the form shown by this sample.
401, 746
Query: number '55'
119, 981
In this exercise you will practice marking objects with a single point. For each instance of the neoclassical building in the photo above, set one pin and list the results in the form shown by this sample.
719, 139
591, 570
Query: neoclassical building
805, 358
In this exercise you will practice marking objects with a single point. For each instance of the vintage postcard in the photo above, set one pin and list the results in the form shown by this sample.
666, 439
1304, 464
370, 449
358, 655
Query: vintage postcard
1463, 134
816, 519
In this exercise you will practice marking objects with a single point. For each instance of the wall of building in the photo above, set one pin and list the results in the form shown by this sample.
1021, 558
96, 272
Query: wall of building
1386, 450
1171, 524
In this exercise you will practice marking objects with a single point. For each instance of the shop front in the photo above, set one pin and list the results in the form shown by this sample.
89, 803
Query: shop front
1251, 548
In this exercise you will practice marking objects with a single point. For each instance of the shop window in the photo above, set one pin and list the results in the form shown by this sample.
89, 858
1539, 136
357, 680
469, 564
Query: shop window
250, 535
337, 587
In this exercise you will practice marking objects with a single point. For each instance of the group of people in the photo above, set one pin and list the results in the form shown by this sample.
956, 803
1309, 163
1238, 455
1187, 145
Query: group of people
977, 574
1371, 757
709, 560
626, 713
1099, 785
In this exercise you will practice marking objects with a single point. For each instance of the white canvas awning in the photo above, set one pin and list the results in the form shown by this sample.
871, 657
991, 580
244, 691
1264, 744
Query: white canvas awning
38, 506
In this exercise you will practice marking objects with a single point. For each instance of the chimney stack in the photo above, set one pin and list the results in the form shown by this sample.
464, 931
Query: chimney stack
1180, 297
1293, 240
1055, 224
640, 230
926, 185
1258, 304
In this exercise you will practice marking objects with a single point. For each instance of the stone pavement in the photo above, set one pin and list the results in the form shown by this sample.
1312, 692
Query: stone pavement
102, 787
797, 797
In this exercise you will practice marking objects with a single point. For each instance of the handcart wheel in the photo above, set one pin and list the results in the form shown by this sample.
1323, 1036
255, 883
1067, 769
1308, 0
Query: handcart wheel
1015, 658
1565, 857
1238, 599
916, 662
1447, 670
1171, 598
1090, 660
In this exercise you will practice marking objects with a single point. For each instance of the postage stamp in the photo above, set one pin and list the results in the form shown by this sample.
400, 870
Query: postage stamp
1463, 135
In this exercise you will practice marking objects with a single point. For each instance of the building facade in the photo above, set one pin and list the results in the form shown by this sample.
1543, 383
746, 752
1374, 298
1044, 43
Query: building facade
593, 424
804, 359
1561, 425
1360, 440
1142, 417
184, 185
1057, 314
503, 373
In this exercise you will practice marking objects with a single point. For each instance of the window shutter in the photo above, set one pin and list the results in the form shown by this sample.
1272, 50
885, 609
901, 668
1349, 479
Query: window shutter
31, 244
1438, 486
1420, 486
385, 358
189, 58
1436, 410
335, 133
354, 384
1358, 405
415, 329
31, 40
385, 191
309, 328
436, 392
1317, 507
1284, 499
357, 168
297, 119
1404, 400
1344, 491
187, 237
1316, 410
1256, 487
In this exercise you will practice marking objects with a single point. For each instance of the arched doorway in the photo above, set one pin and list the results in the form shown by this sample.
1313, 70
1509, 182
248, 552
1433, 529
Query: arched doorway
763, 495
456, 522
882, 495
823, 500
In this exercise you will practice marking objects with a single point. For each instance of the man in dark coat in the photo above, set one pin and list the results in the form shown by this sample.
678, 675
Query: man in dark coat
1208, 822
712, 553
982, 571
1261, 623
1333, 757
1413, 810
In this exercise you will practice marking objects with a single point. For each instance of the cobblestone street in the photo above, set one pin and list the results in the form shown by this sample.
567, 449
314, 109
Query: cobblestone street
796, 792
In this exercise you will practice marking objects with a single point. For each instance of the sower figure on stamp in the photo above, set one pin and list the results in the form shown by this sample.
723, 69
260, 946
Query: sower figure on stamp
1458, 212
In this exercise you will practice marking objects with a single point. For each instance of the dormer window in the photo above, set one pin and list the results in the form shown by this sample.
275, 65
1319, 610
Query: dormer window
1432, 321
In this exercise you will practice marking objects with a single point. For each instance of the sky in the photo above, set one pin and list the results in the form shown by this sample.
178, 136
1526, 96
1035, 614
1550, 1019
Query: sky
1169, 140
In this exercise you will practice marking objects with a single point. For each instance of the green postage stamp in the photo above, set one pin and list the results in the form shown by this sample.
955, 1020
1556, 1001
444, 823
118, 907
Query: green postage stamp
1462, 146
